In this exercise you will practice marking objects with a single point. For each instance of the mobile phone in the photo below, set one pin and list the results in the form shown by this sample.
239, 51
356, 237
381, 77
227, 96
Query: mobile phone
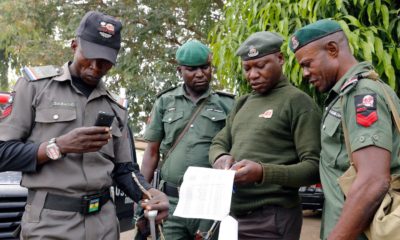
104, 119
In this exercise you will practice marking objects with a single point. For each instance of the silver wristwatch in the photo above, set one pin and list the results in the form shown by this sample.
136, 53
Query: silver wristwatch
52, 150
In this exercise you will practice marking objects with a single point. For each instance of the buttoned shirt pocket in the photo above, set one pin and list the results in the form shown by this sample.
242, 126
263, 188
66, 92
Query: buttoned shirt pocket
331, 138
54, 115
172, 122
212, 121
53, 121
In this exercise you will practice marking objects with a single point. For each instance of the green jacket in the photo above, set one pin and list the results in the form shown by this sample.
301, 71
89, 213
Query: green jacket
171, 112
369, 123
280, 131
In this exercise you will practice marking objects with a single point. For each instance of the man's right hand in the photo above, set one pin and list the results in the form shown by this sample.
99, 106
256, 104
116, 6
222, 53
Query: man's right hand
224, 162
84, 139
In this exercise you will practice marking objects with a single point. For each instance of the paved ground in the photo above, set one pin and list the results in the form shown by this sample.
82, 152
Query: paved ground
311, 225
310, 230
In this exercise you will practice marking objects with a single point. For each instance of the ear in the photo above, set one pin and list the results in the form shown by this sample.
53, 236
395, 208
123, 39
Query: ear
179, 70
74, 45
280, 58
332, 48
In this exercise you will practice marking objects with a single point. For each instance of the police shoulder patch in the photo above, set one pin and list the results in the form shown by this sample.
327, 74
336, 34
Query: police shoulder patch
6, 104
226, 94
42, 72
366, 109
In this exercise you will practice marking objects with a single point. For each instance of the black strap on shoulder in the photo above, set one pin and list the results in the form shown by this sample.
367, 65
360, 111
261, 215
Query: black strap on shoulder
180, 136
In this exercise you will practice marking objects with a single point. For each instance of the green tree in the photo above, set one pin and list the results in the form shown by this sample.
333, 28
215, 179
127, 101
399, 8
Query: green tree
38, 32
372, 26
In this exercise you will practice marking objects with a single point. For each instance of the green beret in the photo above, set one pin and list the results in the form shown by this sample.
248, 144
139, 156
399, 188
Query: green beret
313, 32
259, 44
193, 53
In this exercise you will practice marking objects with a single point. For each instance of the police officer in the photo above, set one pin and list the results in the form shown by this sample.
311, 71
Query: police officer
55, 110
355, 97
170, 117
271, 141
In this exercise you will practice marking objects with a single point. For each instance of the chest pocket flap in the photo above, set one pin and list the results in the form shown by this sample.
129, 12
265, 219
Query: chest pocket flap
214, 115
172, 116
330, 125
51, 115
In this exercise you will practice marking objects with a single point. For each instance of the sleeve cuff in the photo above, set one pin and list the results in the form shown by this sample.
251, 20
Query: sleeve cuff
213, 156
152, 136
368, 140
273, 174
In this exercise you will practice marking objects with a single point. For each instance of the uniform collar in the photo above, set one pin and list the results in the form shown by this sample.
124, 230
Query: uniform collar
182, 92
66, 76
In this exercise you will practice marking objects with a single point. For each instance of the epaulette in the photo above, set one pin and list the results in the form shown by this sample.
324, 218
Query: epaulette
226, 94
348, 85
121, 101
165, 91
42, 72
352, 82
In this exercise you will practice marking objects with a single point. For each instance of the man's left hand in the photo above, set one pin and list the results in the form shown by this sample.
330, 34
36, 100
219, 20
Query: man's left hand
247, 172
159, 202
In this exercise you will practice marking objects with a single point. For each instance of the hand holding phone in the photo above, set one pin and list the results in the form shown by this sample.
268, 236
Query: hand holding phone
104, 119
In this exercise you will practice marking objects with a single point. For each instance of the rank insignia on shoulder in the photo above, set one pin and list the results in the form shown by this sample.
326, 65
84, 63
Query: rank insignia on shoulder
42, 72
366, 110
352, 81
6, 104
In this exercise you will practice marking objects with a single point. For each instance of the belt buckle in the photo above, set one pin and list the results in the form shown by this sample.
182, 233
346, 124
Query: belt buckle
91, 203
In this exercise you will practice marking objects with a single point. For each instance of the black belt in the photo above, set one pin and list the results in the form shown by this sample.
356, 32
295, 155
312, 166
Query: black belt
170, 189
85, 205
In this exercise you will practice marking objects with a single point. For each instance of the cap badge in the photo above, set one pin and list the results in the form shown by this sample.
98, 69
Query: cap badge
252, 51
295, 42
106, 30
266, 114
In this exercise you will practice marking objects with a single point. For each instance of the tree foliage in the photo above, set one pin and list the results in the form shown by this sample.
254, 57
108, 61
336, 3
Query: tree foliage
38, 32
372, 26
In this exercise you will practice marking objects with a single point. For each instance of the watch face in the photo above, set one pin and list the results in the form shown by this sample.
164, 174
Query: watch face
53, 152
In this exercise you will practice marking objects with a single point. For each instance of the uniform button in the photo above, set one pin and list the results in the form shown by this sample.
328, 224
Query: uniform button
191, 125
375, 137
323, 127
169, 119
362, 139
213, 118
56, 117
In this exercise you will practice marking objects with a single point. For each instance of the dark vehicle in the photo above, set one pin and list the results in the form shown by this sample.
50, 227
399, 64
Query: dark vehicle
13, 199
312, 197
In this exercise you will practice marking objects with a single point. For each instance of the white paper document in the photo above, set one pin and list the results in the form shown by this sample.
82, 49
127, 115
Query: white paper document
205, 193
228, 229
